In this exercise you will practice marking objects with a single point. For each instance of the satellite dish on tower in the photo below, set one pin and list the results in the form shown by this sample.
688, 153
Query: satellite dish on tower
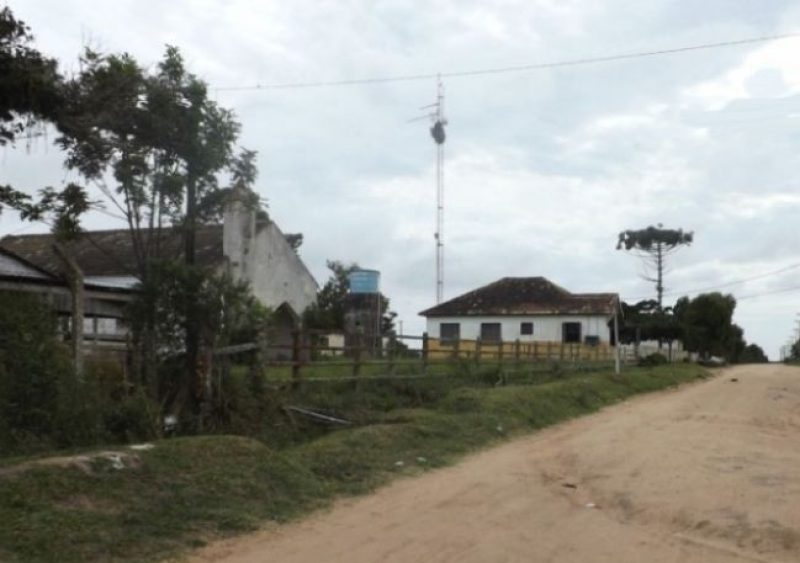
437, 131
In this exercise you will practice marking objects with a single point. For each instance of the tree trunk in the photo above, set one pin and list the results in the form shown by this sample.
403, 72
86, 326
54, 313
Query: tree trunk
74, 277
192, 388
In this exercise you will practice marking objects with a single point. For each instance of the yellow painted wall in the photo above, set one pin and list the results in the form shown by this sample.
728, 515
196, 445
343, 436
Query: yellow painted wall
523, 350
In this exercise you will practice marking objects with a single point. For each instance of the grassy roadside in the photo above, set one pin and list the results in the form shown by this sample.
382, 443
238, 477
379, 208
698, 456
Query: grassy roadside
187, 491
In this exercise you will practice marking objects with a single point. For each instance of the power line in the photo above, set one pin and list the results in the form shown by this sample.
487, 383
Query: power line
773, 292
507, 69
728, 284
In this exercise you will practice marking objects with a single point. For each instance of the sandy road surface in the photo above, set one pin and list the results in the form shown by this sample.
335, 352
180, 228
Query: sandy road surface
708, 473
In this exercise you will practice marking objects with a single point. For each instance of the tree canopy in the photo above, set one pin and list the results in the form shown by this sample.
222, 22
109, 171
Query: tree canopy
704, 325
29, 81
654, 245
652, 238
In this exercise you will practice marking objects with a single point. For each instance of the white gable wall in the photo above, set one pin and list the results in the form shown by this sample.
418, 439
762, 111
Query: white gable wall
259, 253
277, 274
546, 328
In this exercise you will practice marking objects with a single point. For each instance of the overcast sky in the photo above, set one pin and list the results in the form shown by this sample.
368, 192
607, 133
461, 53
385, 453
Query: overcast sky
543, 168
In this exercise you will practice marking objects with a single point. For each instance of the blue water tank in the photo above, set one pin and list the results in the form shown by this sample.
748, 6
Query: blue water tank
364, 281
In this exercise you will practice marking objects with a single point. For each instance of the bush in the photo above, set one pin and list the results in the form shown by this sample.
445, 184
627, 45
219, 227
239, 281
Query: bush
43, 405
653, 360
32, 364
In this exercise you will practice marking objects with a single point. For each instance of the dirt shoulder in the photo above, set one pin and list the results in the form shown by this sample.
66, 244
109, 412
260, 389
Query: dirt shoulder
707, 473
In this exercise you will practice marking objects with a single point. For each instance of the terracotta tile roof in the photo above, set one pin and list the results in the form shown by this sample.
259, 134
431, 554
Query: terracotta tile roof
524, 296
111, 253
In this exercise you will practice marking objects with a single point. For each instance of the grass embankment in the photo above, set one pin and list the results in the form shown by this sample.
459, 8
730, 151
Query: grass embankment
342, 368
187, 491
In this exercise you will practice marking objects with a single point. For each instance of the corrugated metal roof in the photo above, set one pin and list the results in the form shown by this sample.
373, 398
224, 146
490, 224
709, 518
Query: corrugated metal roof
12, 266
112, 252
117, 282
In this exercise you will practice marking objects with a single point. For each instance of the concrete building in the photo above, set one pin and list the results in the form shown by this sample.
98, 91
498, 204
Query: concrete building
526, 310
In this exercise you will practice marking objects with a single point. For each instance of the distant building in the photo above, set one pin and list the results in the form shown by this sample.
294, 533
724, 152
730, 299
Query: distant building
528, 310
249, 246
104, 304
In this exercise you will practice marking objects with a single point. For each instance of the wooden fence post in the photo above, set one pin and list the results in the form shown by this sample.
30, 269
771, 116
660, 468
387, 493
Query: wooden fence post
477, 351
457, 349
312, 345
425, 350
357, 357
295, 357
391, 351
516, 354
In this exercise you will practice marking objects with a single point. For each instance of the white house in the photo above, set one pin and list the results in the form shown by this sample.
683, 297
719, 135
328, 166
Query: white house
526, 309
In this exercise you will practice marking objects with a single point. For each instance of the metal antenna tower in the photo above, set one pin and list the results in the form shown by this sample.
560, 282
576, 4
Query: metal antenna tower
438, 120
437, 132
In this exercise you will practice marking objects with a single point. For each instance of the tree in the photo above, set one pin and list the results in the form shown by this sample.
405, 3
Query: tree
162, 142
327, 313
794, 353
753, 354
654, 245
30, 91
223, 309
29, 81
64, 210
646, 321
708, 325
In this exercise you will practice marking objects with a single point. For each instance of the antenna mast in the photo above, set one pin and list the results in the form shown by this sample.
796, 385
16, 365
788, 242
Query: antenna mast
436, 115
438, 134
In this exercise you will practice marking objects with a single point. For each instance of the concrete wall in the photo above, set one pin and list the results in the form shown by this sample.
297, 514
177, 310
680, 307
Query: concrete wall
257, 251
545, 328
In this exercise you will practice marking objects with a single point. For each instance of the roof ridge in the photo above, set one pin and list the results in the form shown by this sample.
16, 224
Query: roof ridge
522, 295
106, 231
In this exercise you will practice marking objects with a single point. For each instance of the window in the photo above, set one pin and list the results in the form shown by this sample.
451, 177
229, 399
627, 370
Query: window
571, 332
449, 333
526, 329
490, 332
592, 340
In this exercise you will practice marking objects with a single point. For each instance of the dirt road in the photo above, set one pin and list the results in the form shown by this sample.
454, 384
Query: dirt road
708, 473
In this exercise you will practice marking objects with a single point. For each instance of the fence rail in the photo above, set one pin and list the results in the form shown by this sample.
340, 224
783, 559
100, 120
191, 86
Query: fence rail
307, 357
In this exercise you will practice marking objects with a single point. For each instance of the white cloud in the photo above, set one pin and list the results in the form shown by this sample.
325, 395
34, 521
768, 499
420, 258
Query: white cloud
748, 206
771, 71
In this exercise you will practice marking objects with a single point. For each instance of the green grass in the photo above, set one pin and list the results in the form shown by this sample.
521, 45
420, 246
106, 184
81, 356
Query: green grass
343, 367
188, 491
